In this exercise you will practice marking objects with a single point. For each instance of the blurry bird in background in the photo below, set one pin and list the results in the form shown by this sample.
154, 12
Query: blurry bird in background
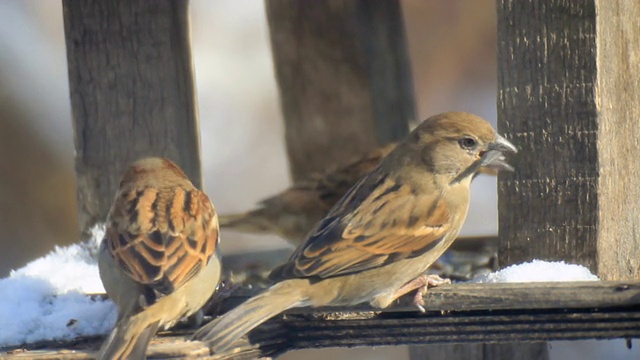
376, 243
292, 213
158, 259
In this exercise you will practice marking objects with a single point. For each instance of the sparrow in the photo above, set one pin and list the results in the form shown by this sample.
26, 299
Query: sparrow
292, 213
378, 240
158, 259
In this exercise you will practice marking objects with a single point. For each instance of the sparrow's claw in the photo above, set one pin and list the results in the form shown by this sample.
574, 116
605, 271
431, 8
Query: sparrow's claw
429, 280
421, 283
418, 299
435, 280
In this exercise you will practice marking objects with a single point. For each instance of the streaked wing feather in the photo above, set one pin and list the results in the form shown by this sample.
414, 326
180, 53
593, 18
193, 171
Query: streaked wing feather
379, 221
162, 238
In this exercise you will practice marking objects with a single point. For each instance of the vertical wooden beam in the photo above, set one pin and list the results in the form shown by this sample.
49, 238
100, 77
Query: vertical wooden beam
132, 93
547, 74
618, 103
568, 90
344, 78
567, 80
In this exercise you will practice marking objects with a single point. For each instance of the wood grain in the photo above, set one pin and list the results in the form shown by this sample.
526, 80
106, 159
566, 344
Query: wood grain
132, 93
567, 74
523, 296
548, 207
617, 96
344, 78
456, 314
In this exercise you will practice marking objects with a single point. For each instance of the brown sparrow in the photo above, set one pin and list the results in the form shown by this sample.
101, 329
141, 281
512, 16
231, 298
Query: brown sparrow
158, 259
376, 243
292, 213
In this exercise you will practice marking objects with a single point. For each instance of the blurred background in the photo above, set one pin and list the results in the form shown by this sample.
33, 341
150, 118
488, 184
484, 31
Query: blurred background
452, 49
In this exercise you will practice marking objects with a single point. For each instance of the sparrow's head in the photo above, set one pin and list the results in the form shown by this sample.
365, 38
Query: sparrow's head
458, 145
153, 169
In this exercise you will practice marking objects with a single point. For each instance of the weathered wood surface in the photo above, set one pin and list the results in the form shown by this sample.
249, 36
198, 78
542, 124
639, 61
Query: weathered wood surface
458, 313
546, 106
568, 85
132, 93
546, 75
617, 97
344, 78
509, 296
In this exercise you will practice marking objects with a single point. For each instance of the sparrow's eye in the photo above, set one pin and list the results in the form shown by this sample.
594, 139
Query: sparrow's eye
468, 143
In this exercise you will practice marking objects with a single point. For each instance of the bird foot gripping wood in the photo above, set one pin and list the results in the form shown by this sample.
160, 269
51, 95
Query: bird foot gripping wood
421, 283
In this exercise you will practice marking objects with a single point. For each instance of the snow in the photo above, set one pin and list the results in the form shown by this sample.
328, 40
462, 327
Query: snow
45, 300
537, 271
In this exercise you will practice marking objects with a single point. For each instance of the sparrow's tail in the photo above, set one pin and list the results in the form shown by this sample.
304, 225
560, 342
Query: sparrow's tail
221, 333
256, 221
128, 340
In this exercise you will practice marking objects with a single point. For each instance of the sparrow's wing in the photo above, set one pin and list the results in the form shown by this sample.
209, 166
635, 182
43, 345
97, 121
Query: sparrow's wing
333, 185
162, 237
378, 222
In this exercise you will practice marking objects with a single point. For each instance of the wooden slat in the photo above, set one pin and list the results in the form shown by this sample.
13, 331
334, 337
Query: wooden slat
546, 78
132, 93
567, 74
343, 72
548, 208
485, 327
458, 313
617, 96
549, 295
513, 296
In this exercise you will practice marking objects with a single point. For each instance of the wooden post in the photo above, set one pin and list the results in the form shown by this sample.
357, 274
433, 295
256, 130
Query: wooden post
568, 93
546, 75
618, 109
343, 72
132, 93
567, 82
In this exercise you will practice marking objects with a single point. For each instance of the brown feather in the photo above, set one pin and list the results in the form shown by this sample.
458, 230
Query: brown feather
157, 260
162, 230
376, 243
292, 213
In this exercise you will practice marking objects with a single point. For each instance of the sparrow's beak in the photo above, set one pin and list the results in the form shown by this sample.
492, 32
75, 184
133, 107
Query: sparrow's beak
503, 145
491, 161
494, 159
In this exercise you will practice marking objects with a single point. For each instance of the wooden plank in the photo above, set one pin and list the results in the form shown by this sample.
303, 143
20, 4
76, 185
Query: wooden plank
548, 208
307, 332
473, 314
391, 328
132, 93
563, 73
504, 296
617, 96
546, 295
546, 107
343, 73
